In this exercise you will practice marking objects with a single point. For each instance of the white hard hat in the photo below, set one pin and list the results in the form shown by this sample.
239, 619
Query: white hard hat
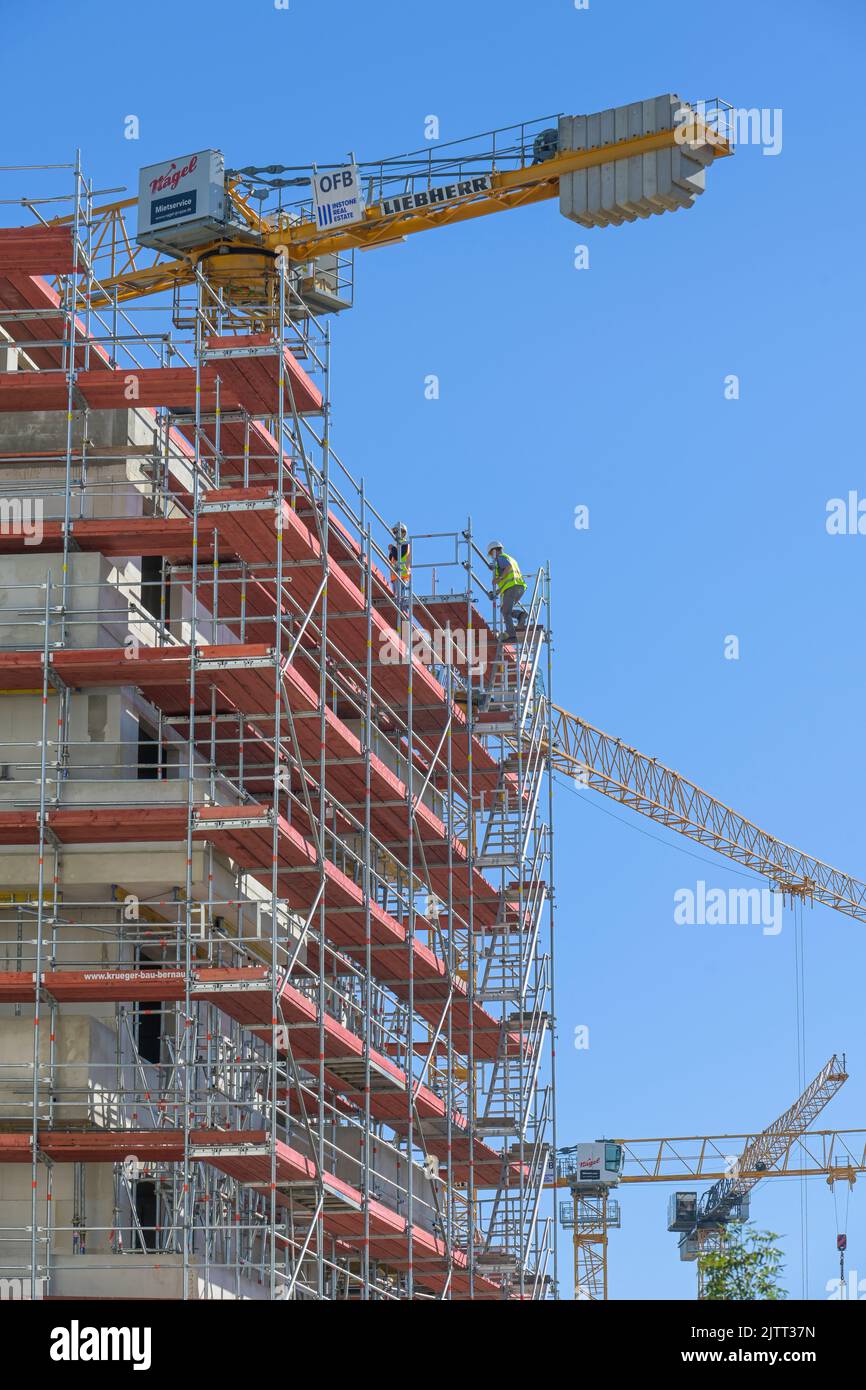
399, 530
494, 545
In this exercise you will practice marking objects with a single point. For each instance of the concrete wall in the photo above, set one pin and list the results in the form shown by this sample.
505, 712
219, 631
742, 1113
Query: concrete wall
121, 477
80, 1083
136, 1274
96, 613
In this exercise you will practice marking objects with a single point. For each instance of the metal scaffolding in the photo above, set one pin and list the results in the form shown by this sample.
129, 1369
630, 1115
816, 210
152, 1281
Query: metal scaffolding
277, 885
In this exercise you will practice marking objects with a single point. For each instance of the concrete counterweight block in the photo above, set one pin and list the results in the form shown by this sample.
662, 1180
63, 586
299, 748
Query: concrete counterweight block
632, 186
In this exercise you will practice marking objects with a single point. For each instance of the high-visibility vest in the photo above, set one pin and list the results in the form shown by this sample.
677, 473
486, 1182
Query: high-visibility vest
401, 562
509, 578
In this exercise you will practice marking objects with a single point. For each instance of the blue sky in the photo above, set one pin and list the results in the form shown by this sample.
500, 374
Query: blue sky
601, 387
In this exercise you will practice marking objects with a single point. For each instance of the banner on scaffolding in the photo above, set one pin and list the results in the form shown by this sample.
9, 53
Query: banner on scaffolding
338, 197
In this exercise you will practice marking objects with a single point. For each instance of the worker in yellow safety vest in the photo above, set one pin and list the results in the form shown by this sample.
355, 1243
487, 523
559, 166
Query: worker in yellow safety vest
508, 583
400, 559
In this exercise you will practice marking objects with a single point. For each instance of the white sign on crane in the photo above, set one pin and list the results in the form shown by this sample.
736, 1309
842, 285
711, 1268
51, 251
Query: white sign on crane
432, 197
182, 201
338, 196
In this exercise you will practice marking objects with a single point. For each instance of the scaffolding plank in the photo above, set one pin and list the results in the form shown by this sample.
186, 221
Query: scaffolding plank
127, 389
37, 250
33, 314
245, 834
244, 994
250, 365
246, 1156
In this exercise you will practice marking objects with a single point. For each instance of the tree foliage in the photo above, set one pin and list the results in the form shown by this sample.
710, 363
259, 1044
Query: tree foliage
748, 1266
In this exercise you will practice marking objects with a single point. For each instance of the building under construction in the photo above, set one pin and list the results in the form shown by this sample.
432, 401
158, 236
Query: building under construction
276, 885
276, 795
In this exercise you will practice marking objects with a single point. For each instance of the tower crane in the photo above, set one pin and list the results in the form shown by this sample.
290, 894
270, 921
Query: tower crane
592, 1171
606, 168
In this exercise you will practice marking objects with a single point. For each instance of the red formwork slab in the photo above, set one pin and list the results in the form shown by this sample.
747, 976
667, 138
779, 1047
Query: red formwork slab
246, 834
127, 389
342, 545
112, 1146
247, 1155
37, 250
247, 449
251, 370
171, 536
245, 996
245, 676
127, 535
107, 390
39, 320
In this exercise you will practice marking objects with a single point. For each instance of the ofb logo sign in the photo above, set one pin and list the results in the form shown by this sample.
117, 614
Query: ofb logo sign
338, 197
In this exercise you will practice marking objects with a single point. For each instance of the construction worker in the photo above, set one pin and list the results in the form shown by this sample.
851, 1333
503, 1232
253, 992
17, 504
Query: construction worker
508, 583
400, 558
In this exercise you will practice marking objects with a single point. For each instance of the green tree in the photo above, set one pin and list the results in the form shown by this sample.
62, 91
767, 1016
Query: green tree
748, 1266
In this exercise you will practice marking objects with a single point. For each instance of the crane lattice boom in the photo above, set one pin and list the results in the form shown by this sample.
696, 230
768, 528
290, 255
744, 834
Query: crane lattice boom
831, 1153
608, 765
768, 1148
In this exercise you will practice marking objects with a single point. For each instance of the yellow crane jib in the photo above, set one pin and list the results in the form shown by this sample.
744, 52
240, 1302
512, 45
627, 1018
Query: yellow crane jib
605, 764
608, 167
